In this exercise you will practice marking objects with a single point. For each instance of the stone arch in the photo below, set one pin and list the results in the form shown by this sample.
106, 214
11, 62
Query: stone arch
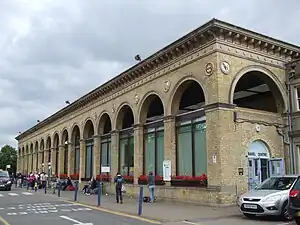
75, 134
152, 106
55, 140
64, 136
244, 90
23, 151
88, 129
259, 143
42, 145
125, 110
105, 123
48, 142
187, 86
31, 148
27, 149
36, 147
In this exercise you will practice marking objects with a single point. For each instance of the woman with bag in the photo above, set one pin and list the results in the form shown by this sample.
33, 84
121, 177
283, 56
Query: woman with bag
119, 181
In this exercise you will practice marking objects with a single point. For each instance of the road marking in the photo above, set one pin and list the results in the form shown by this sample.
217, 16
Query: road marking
1, 195
192, 223
4, 221
26, 193
288, 223
13, 194
23, 213
70, 219
118, 213
1, 208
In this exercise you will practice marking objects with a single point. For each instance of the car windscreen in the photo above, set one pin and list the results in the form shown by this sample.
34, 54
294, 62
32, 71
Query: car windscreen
4, 174
277, 183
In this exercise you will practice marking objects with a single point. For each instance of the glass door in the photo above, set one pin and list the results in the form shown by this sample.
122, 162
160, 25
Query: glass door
276, 167
254, 173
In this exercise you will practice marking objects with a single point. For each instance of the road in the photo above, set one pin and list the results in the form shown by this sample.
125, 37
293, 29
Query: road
20, 207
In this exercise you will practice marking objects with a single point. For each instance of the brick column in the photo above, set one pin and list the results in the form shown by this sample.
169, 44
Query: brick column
138, 152
82, 160
61, 159
170, 141
71, 155
115, 142
96, 155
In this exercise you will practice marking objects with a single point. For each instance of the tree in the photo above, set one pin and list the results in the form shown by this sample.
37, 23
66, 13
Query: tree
8, 156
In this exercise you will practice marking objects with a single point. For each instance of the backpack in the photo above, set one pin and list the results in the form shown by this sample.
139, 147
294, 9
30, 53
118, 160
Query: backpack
119, 181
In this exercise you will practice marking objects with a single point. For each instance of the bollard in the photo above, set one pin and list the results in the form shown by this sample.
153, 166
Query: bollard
140, 208
99, 193
58, 188
45, 187
76, 191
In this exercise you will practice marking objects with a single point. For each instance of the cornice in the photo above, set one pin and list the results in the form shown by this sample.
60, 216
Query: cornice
212, 30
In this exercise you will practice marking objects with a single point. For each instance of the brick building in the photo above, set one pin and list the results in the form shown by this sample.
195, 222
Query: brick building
213, 102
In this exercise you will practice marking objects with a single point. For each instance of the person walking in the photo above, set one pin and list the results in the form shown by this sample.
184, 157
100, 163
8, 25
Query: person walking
151, 186
119, 181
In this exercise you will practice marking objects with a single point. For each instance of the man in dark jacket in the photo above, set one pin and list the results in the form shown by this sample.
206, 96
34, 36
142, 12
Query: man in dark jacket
119, 181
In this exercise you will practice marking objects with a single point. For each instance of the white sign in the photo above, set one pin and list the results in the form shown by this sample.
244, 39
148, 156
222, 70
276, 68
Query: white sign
258, 149
214, 158
105, 169
167, 170
75, 221
7, 166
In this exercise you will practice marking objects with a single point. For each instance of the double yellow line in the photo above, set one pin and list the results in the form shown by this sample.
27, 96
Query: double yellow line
4, 221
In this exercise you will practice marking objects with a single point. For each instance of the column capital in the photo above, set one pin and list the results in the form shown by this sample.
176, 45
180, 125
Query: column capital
96, 136
137, 126
169, 118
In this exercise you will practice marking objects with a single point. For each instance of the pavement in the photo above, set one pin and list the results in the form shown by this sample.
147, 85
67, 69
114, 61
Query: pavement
22, 207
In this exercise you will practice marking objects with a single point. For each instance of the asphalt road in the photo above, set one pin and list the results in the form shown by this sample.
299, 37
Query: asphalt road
21, 207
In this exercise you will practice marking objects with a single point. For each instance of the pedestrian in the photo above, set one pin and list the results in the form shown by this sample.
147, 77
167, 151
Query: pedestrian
151, 186
119, 182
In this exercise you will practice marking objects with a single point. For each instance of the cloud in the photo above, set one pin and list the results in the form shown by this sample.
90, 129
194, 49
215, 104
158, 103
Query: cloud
52, 51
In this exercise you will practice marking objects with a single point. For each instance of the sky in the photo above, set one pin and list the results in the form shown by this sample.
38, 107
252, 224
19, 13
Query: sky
57, 50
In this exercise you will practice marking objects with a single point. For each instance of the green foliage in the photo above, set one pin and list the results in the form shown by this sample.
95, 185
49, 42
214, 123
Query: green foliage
8, 156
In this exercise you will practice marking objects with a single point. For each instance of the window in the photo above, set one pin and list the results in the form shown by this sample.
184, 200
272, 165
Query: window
297, 104
89, 159
126, 161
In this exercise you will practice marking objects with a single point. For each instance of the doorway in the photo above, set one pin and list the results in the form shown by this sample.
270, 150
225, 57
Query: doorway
260, 165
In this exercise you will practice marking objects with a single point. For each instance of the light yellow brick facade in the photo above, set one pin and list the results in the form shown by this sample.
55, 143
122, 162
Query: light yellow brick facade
230, 129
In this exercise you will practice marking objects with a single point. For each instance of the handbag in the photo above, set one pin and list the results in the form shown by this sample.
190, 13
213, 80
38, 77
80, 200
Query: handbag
123, 188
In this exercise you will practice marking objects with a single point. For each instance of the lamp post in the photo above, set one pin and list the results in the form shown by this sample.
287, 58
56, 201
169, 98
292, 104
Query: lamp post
291, 75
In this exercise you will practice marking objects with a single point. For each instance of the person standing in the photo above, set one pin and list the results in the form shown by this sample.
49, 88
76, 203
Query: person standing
119, 181
151, 186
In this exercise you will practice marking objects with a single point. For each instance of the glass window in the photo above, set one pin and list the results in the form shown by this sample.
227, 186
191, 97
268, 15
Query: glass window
66, 160
200, 149
126, 155
160, 152
149, 142
77, 159
184, 148
298, 98
104, 161
89, 161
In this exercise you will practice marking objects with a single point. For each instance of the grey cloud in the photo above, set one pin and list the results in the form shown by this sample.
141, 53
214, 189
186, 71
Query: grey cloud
52, 51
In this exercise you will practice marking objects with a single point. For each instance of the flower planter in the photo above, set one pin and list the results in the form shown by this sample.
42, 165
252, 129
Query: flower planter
85, 179
187, 183
145, 182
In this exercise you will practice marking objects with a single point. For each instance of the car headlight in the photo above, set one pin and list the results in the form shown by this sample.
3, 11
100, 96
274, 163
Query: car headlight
9, 182
272, 198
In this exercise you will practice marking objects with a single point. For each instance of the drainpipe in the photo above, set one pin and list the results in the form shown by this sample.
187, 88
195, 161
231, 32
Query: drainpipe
291, 75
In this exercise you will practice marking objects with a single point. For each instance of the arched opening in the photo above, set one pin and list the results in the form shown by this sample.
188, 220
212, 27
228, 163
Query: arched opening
48, 148
27, 159
56, 152
104, 130
42, 149
187, 106
151, 116
258, 163
31, 157
65, 143
88, 134
36, 149
256, 90
23, 160
125, 121
76, 151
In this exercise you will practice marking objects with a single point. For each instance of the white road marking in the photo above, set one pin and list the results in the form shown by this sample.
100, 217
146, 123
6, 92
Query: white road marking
44, 212
23, 213
12, 214
288, 223
27, 193
13, 194
192, 223
1, 195
65, 210
70, 219
84, 209
1, 208
53, 211
11, 208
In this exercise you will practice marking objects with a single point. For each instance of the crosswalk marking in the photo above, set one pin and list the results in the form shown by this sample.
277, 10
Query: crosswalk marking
13, 194
27, 193
1, 195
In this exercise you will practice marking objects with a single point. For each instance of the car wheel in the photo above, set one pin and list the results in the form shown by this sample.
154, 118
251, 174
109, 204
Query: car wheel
285, 212
297, 220
250, 216
9, 189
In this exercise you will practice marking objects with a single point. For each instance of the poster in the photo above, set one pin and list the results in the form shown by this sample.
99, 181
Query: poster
167, 170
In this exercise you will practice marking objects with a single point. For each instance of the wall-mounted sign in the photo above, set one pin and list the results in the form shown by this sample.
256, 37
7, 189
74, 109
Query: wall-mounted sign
214, 158
167, 170
105, 169
258, 149
241, 171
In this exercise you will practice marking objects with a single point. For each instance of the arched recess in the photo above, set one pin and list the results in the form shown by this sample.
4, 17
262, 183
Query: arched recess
88, 135
31, 157
56, 152
124, 123
27, 159
36, 149
151, 116
65, 143
76, 148
23, 160
42, 150
257, 89
187, 106
48, 148
104, 130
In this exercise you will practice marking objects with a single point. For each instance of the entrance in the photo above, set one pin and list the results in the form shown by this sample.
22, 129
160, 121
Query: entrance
260, 166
